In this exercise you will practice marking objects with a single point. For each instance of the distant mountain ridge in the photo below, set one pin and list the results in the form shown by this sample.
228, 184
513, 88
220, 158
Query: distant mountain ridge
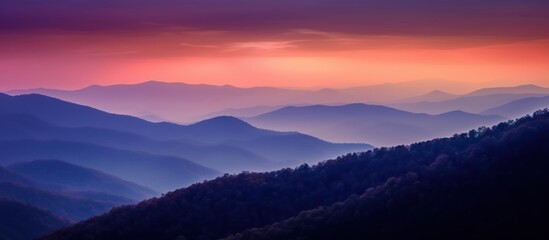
520, 107
379, 125
520, 89
185, 103
473, 104
243, 112
194, 101
478, 101
433, 96
191, 100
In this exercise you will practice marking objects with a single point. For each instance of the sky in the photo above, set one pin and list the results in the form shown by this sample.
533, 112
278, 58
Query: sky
70, 44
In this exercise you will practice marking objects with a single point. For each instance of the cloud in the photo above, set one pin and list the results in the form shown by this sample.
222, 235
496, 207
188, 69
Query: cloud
148, 29
262, 45
193, 45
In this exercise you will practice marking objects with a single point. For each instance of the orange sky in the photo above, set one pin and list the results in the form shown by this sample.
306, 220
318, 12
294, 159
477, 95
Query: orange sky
287, 66
320, 45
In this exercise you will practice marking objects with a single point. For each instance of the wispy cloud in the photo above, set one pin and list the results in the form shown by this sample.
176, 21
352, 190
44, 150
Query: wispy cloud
147, 29
99, 53
193, 45
262, 45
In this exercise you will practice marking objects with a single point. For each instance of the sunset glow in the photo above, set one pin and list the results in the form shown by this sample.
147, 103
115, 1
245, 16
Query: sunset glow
54, 48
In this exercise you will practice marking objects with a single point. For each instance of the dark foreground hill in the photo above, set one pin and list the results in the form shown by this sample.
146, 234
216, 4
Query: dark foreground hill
160, 173
489, 183
69, 206
41, 196
63, 176
21, 222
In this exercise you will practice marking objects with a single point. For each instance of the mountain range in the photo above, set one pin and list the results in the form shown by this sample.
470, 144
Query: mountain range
488, 183
62, 162
50, 127
156, 99
181, 102
65, 162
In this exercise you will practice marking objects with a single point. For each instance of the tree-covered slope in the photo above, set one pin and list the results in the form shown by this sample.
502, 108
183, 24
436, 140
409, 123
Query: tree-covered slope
495, 188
